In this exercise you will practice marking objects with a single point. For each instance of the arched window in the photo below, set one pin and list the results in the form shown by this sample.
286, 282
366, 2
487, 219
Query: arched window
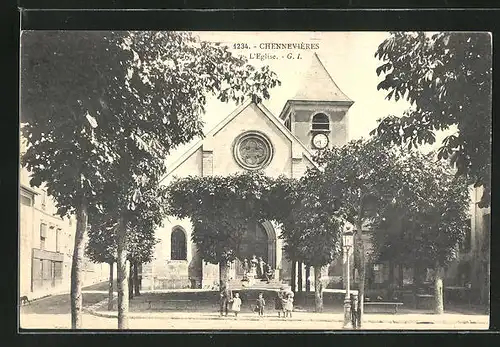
320, 121
178, 246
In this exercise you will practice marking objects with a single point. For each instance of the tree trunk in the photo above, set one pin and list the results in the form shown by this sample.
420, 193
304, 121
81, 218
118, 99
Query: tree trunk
136, 279
438, 290
318, 290
131, 280
110, 286
360, 249
391, 280
401, 275
299, 276
294, 276
77, 264
122, 275
308, 280
223, 275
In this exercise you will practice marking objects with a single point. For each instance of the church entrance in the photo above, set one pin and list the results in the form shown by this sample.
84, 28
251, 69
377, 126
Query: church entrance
259, 240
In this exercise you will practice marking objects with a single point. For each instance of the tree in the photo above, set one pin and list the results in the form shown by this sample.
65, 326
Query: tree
65, 76
102, 112
102, 245
220, 209
447, 79
101, 248
365, 176
169, 76
311, 227
431, 221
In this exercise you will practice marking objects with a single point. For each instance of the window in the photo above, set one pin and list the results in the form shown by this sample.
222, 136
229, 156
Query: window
178, 245
58, 270
43, 235
58, 233
25, 200
320, 121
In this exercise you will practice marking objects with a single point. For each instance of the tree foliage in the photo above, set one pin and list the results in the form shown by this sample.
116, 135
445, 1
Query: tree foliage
308, 214
101, 246
101, 111
428, 219
220, 209
365, 174
447, 79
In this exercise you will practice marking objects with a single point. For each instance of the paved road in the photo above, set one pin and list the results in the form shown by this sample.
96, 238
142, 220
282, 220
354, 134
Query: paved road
63, 321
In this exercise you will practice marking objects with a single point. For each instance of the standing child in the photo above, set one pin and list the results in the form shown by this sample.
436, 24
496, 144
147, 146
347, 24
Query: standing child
288, 306
260, 305
236, 307
278, 302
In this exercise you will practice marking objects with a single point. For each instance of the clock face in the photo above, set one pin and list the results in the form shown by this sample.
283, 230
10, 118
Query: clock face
320, 141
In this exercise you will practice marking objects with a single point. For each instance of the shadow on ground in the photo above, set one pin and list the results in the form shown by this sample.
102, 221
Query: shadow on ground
103, 286
59, 304
208, 301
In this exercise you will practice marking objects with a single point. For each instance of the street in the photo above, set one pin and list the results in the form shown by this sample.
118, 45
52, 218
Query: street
54, 313
63, 321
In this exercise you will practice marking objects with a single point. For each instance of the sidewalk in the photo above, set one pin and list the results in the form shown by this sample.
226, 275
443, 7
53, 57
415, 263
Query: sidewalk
411, 318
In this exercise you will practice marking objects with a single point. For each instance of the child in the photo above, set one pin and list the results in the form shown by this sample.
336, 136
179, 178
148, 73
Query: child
278, 303
288, 306
260, 305
236, 307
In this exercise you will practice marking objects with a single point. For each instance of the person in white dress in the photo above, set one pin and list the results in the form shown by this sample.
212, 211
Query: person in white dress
236, 304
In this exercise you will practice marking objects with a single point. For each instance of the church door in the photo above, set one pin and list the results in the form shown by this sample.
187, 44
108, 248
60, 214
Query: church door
254, 242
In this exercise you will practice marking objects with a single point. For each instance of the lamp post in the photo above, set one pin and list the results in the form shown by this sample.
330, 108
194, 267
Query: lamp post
347, 243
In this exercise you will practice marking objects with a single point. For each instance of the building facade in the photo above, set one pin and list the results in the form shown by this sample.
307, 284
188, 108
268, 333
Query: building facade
252, 138
46, 244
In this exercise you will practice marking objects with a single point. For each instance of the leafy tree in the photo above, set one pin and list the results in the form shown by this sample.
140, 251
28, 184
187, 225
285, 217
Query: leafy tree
220, 209
447, 79
365, 174
102, 111
311, 227
432, 211
65, 76
101, 248
169, 76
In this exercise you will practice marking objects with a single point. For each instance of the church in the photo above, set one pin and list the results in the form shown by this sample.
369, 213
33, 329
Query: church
251, 138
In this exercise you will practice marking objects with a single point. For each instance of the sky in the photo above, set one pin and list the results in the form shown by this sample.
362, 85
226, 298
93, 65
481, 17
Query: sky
349, 57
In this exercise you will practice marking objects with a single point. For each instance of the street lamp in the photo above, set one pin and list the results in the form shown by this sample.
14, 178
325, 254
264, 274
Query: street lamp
347, 243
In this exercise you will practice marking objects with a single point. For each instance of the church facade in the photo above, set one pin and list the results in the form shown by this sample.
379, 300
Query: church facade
251, 138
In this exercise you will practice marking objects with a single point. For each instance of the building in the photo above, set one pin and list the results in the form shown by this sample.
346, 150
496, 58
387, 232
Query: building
252, 138
46, 244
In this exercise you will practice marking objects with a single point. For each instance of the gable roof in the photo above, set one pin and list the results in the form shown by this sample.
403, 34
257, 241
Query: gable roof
318, 85
284, 130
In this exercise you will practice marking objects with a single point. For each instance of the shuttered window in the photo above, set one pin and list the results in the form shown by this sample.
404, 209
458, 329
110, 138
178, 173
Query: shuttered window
320, 121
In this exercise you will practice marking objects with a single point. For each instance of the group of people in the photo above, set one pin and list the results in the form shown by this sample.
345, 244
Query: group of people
256, 268
283, 303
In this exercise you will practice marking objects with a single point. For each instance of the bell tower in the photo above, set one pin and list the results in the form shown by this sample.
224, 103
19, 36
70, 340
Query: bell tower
316, 115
